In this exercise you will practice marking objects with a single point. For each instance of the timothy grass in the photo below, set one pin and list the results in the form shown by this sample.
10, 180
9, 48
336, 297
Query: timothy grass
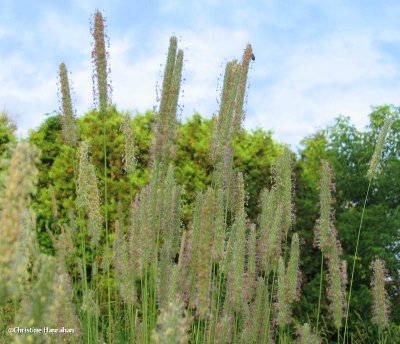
149, 278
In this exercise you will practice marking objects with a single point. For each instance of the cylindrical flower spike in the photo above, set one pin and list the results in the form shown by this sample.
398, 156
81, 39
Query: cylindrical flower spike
293, 272
99, 56
373, 165
69, 130
284, 188
337, 282
129, 158
323, 225
88, 194
380, 302
282, 305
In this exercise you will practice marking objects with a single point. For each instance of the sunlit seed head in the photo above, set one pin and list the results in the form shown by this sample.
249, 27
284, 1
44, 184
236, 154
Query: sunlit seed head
99, 56
293, 272
88, 197
129, 159
69, 129
306, 336
380, 301
380, 143
324, 224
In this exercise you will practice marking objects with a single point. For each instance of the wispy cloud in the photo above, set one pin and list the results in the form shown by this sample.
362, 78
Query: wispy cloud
339, 74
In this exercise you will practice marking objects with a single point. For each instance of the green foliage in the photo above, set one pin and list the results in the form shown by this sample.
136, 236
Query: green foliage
7, 142
7, 132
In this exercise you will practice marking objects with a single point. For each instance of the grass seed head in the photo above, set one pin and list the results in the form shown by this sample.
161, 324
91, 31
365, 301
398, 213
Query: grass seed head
88, 194
380, 301
293, 272
283, 314
69, 129
337, 278
100, 66
172, 326
306, 336
128, 159
284, 188
165, 126
324, 223
380, 143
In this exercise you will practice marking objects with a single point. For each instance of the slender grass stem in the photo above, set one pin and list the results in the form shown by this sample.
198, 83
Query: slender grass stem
106, 228
320, 291
144, 305
354, 263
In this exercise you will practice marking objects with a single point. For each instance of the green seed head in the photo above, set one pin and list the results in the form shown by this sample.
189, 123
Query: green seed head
380, 301
293, 272
376, 156
69, 130
99, 57
324, 224
129, 158
88, 197
306, 336
337, 279
282, 304
284, 188
172, 326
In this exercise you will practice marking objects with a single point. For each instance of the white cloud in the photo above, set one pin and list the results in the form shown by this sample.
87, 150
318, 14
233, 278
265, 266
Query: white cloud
26, 93
64, 33
29, 75
339, 74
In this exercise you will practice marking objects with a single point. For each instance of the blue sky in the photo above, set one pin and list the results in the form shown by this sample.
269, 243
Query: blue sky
314, 59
